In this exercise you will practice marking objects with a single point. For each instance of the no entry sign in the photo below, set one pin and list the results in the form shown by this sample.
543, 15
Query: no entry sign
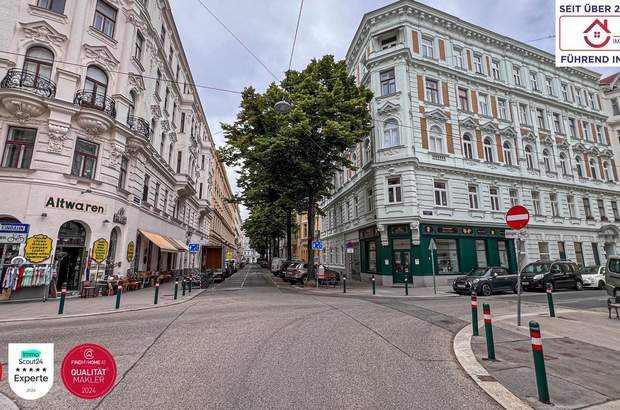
517, 217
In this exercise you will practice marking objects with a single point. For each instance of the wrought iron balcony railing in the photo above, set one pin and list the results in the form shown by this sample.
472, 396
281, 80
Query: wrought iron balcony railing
25, 80
139, 126
96, 101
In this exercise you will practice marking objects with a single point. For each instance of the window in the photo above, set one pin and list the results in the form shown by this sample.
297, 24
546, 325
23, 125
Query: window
494, 193
105, 18
458, 57
391, 136
432, 91
96, 85
523, 114
564, 88
145, 188
19, 148
514, 197
516, 74
601, 209
441, 193
468, 147
84, 159
593, 169
599, 134
570, 202
547, 160
534, 81
579, 166
563, 163
607, 171
529, 157
162, 142
38, 62
540, 117
597, 257
549, 85
170, 151
507, 149
578, 94
488, 150
388, 42
158, 82
162, 34
57, 6
586, 208
615, 107
355, 206
557, 123
481, 253
369, 199
388, 82
182, 122
428, 47
139, 46
165, 206
156, 196
472, 190
495, 70
483, 102
394, 193
536, 202
447, 256
589, 99
579, 253
170, 55
436, 140
543, 251
179, 161
571, 127
167, 99
122, 176
478, 64
502, 109
555, 209
463, 99
614, 209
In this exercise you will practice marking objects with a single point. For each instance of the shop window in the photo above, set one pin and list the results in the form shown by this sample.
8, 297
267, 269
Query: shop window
19, 148
394, 190
543, 250
447, 260
503, 254
481, 253
84, 159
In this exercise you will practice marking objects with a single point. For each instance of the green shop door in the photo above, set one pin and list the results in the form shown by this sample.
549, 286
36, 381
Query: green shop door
402, 266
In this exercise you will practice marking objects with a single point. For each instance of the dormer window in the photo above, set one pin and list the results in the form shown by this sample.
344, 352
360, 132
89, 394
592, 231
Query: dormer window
388, 42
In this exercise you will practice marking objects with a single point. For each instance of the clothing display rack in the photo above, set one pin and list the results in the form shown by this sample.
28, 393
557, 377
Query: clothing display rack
25, 282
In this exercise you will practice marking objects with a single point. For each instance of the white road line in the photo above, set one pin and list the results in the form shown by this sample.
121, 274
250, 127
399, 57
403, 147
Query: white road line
247, 272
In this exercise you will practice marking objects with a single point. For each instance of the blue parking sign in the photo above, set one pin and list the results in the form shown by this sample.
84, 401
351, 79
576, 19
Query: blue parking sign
317, 245
194, 247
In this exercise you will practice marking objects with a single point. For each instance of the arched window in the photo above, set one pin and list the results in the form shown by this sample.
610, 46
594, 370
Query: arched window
579, 165
529, 157
563, 163
593, 169
391, 137
607, 171
547, 160
488, 150
436, 142
468, 147
507, 149
96, 81
39, 62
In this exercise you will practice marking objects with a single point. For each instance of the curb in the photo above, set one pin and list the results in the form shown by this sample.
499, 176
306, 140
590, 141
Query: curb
469, 363
112, 312
7, 404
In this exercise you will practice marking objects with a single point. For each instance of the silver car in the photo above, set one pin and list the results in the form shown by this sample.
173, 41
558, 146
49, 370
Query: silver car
593, 276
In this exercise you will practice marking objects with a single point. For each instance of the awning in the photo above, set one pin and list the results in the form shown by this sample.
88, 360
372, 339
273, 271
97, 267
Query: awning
178, 244
160, 241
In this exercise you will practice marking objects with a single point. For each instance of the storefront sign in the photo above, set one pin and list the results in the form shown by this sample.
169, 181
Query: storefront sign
448, 229
369, 233
13, 233
100, 250
38, 248
120, 217
229, 255
131, 249
399, 229
63, 203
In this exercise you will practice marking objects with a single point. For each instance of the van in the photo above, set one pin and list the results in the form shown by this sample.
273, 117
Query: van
276, 264
612, 276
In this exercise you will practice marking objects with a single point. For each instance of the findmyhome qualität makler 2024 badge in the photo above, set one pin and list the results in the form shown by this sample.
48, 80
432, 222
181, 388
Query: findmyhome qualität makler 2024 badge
31, 369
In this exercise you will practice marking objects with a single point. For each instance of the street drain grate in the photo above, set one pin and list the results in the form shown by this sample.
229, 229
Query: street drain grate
487, 378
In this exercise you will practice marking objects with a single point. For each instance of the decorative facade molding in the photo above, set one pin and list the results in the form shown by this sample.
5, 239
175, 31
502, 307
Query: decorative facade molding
102, 55
43, 32
57, 135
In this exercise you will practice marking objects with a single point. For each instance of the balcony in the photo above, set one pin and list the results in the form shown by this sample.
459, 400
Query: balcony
26, 81
95, 101
185, 185
139, 126
98, 111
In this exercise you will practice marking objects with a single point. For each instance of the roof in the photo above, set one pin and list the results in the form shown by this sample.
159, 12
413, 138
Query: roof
608, 80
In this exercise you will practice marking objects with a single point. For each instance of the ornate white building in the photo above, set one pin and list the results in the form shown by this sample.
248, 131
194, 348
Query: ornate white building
468, 123
102, 135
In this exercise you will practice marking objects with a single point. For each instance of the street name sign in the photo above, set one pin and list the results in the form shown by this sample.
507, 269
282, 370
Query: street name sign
517, 217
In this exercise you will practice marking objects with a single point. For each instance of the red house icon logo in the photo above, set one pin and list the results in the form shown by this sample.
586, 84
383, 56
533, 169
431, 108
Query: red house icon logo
592, 35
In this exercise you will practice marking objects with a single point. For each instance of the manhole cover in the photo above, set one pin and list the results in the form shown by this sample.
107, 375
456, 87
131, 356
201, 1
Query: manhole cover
487, 378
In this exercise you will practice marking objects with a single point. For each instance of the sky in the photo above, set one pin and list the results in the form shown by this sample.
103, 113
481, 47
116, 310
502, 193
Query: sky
267, 28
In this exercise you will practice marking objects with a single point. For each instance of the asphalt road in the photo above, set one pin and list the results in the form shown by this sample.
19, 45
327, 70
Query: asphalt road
249, 345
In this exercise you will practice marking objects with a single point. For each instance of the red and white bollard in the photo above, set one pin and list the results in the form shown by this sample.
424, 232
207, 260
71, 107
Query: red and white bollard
488, 328
474, 313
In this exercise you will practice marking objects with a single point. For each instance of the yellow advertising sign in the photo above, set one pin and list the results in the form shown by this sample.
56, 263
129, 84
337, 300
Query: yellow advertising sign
131, 249
100, 250
38, 248
229, 255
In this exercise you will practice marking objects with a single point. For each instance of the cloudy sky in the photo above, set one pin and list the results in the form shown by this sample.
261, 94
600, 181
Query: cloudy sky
327, 27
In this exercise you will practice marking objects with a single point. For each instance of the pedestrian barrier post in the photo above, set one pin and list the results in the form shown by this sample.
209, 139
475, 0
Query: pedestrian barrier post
488, 329
344, 284
406, 287
539, 363
189, 282
176, 289
474, 312
373, 285
183, 283
156, 292
63, 294
119, 291
550, 299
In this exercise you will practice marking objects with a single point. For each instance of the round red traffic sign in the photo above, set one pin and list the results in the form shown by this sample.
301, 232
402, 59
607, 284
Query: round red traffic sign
88, 371
517, 217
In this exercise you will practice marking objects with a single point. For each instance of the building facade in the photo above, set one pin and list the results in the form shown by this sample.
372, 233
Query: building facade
610, 87
249, 254
103, 136
468, 123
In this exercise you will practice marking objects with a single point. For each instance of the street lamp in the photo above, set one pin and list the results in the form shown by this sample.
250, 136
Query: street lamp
283, 107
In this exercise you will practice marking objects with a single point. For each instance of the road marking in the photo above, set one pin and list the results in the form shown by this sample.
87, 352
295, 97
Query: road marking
247, 272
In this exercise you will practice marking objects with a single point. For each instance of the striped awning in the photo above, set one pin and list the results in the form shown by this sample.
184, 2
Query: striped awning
160, 241
178, 244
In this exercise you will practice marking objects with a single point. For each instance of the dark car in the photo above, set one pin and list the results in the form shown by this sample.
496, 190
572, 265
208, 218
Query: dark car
285, 265
560, 274
486, 280
218, 275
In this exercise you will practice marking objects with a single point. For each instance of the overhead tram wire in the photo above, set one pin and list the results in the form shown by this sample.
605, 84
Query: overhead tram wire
290, 61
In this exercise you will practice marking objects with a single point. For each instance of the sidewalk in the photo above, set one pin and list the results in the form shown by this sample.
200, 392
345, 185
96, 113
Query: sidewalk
582, 357
130, 301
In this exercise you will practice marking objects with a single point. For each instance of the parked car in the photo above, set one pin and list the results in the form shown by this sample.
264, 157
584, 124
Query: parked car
560, 274
593, 276
612, 276
284, 266
218, 275
276, 263
297, 273
486, 280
